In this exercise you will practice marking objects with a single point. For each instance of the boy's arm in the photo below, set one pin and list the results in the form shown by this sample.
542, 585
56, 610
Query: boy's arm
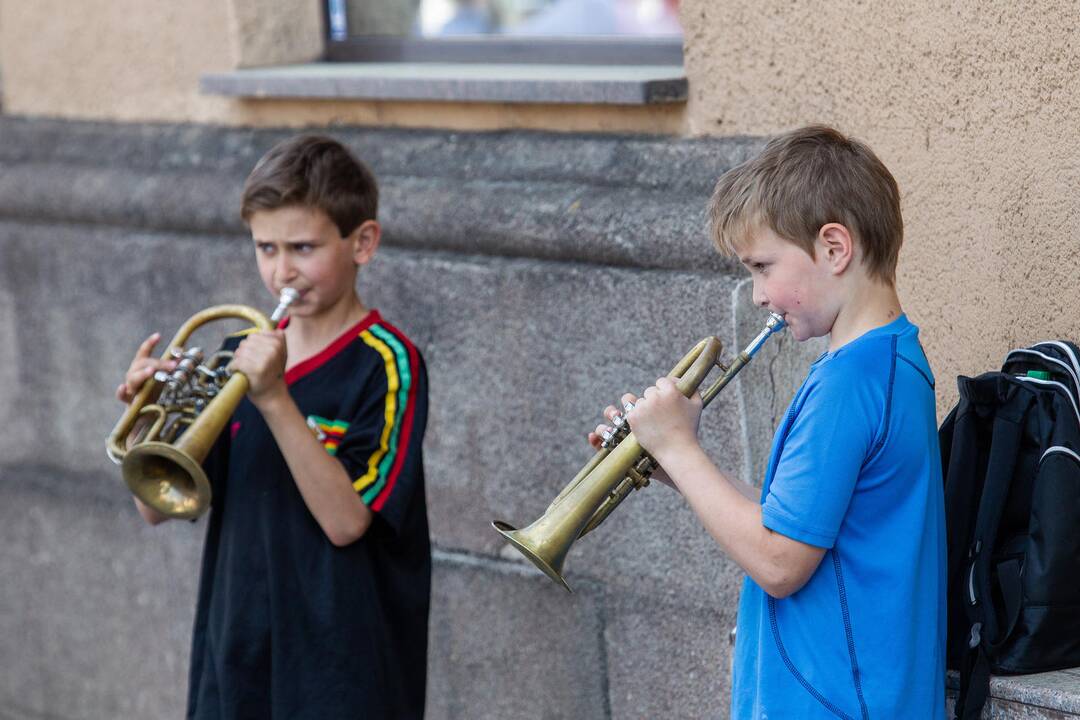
779, 564
323, 482
665, 423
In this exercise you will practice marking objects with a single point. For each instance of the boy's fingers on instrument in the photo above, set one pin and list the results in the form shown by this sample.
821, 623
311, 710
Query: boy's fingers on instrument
136, 371
147, 346
628, 398
136, 378
610, 411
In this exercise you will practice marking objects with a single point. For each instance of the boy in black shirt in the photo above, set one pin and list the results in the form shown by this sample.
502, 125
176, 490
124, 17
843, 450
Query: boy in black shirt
313, 600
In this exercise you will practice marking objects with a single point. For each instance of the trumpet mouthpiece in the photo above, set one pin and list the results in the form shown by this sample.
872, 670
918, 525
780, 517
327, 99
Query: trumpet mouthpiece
288, 297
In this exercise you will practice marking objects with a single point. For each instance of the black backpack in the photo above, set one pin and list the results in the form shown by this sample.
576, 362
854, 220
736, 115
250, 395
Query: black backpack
1010, 451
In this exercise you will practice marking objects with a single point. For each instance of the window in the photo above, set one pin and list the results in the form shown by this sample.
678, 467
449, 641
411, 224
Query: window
639, 32
569, 52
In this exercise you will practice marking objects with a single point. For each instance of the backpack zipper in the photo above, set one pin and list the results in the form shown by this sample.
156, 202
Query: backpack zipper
1069, 371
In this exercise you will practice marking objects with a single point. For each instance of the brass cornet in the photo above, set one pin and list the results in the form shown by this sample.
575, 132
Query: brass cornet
183, 412
620, 466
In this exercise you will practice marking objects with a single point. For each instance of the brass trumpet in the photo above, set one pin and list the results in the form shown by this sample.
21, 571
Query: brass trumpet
183, 412
620, 466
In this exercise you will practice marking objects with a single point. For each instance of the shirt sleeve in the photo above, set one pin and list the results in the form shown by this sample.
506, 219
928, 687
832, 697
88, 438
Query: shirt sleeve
827, 443
381, 448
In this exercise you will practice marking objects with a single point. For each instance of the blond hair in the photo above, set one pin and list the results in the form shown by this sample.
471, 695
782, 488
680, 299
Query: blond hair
805, 179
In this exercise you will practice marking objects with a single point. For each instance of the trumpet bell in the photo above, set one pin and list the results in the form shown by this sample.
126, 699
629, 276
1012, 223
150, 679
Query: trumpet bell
166, 479
545, 551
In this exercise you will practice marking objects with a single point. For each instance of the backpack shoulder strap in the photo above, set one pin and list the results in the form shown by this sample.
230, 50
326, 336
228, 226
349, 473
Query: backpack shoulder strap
1015, 402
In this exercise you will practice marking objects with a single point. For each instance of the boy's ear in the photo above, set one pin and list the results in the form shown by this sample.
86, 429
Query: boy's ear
836, 246
365, 241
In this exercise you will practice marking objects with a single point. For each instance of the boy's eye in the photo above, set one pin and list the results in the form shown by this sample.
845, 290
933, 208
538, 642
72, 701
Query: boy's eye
264, 248
303, 247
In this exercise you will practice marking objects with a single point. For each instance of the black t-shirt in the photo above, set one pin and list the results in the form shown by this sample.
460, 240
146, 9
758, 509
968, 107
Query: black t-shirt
287, 624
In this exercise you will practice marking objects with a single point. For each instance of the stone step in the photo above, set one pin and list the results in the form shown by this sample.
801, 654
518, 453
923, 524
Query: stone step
1043, 696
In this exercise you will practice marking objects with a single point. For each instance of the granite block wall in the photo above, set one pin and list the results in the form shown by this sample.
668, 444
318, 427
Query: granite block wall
541, 275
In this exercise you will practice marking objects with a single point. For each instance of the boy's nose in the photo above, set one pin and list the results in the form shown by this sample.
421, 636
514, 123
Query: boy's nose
285, 268
759, 296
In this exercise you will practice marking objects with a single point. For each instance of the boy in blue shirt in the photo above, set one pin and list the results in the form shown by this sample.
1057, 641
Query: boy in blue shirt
842, 614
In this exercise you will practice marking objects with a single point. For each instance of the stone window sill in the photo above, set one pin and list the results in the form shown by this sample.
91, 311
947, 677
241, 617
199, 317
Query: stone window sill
460, 82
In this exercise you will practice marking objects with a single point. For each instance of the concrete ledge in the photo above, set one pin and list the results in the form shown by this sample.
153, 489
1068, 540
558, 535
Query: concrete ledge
1050, 695
620, 201
458, 82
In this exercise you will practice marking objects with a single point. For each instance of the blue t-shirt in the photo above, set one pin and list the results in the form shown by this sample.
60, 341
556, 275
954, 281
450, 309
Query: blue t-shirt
854, 468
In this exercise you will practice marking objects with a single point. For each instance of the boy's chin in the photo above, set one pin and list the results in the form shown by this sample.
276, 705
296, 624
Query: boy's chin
801, 333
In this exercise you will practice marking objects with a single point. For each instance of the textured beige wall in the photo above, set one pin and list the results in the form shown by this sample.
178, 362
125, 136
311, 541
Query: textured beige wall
141, 60
113, 59
291, 31
976, 109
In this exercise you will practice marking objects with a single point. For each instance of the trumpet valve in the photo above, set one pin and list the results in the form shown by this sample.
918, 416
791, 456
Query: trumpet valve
639, 473
637, 479
608, 436
620, 428
613, 437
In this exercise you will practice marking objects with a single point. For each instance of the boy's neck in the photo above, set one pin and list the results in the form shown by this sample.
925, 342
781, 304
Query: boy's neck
873, 305
310, 334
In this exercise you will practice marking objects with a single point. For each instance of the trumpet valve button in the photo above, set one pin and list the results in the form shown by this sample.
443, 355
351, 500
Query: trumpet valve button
608, 436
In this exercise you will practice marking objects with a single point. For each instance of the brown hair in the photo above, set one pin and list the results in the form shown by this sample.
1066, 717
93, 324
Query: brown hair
317, 172
805, 179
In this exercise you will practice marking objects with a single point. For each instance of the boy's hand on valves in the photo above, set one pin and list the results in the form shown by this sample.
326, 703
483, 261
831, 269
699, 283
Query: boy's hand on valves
665, 418
597, 436
261, 357
143, 365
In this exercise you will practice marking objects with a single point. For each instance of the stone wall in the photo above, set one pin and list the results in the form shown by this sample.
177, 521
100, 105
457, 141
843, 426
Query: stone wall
541, 276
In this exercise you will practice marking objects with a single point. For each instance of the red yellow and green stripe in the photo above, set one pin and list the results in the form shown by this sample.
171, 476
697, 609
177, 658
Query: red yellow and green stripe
333, 430
401, 361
